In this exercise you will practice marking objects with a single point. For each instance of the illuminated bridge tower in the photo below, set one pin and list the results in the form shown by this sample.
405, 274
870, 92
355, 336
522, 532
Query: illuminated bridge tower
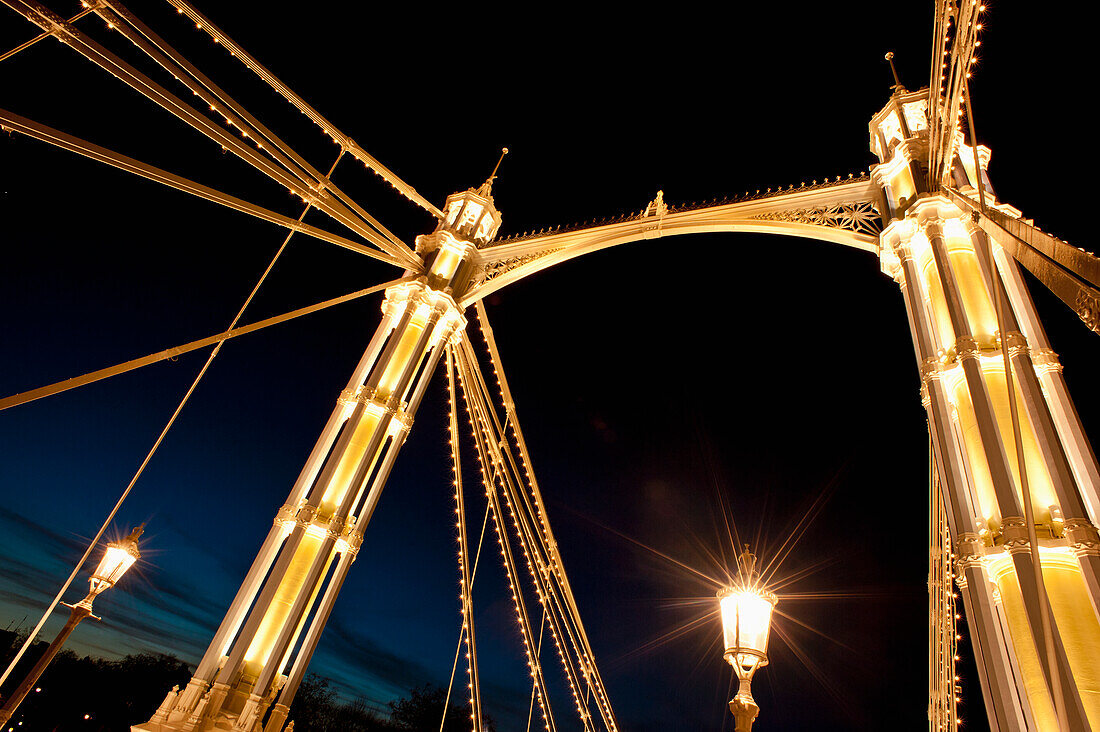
951, 279
262, 648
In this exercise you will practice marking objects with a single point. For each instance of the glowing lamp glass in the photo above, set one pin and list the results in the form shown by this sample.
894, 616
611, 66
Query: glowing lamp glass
118, 558
746, 623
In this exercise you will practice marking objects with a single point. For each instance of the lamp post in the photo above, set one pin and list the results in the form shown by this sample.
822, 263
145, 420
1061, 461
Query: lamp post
746, 621
118, 558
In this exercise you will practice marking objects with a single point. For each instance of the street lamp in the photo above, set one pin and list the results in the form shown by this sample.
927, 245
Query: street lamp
746, 620
118, 558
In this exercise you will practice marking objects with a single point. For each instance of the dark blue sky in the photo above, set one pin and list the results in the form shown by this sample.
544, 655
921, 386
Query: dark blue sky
656, 383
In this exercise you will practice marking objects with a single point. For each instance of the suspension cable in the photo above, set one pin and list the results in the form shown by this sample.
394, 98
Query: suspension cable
546, 542
96, 53
152, 451
171, 353
467, 580
185, 8
65, 141
548, 576
562, 621
491, 475
125, 22
538, 652
462, 628
531, 543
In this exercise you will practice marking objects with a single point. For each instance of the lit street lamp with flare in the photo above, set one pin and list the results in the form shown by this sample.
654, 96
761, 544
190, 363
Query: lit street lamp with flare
746, 621
118, 558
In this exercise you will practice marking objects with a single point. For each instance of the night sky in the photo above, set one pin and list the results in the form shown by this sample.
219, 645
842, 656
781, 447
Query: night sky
661, 385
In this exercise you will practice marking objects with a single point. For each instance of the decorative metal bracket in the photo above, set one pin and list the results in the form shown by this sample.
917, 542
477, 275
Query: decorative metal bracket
862, 217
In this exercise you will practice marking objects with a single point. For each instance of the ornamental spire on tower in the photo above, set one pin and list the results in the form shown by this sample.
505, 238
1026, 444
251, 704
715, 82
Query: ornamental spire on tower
486, 188
746, 564
898, 87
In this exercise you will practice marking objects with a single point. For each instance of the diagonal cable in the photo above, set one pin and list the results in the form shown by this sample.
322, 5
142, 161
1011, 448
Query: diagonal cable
65, 141
185, 8
464, 553
126, 23
492, 477
93, 51
169, 353
149, 456
531, 543
1063, 269
544, 541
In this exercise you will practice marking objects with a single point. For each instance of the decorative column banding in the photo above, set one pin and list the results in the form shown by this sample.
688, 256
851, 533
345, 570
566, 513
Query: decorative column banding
210, 663
967, 351
1078, 528
1077, 446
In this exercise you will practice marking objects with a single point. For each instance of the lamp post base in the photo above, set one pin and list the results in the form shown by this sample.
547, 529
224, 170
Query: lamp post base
80, 611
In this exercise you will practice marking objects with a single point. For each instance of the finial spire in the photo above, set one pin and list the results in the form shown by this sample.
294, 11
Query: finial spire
746, 563
487, 187
897, 87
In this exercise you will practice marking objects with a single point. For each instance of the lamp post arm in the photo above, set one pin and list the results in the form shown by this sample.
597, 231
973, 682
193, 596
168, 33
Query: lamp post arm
80, 611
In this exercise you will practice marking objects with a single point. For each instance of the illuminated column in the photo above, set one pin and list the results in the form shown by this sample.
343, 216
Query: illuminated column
1077, 525
275, 621
941, 261
992, 648
209, 664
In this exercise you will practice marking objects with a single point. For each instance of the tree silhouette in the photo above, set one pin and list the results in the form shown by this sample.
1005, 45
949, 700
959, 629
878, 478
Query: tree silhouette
97, 695
423, 710
90, 694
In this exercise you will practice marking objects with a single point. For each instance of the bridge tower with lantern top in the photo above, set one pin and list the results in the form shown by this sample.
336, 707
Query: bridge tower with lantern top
257, 658
1035, 633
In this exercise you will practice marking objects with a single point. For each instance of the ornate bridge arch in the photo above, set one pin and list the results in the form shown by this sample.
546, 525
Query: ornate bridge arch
845, 212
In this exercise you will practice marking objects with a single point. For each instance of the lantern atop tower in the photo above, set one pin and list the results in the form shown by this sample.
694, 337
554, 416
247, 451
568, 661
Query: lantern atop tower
471, 214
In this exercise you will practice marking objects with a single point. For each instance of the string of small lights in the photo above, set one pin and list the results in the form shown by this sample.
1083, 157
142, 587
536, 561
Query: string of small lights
218, 36
236, 116
490, 474
546, 542
544, 564
260, 159
952, 60
496, 442
943, 682
466, 581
